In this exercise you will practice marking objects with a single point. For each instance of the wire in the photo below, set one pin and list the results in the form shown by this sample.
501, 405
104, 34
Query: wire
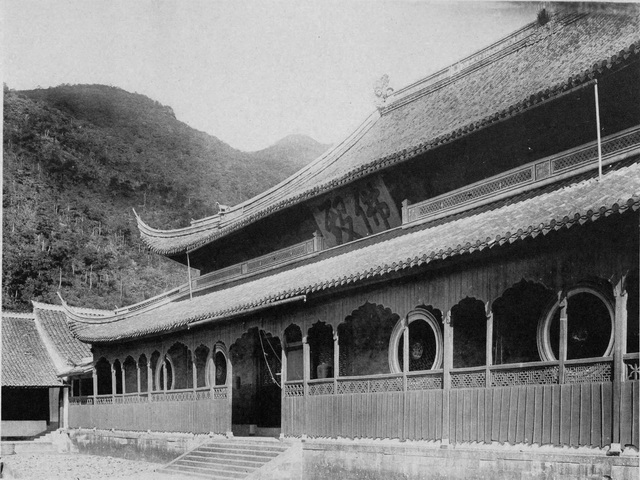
264, 354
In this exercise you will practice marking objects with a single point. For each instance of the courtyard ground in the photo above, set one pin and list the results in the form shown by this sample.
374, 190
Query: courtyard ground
78, 467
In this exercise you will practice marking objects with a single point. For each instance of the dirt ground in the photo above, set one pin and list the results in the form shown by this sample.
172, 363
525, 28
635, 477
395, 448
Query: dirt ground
78, 467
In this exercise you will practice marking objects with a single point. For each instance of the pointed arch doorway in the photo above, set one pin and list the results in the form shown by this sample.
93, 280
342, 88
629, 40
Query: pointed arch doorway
256, 396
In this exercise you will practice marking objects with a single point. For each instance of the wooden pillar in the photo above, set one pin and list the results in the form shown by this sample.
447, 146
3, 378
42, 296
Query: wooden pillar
122, 379
619, 374
149, 379
138, 377
65, 406
562, 347
94, 377
446, 377
489, 342
336, 361
306, 367
113, 380
164, 375
405, 370
194, 371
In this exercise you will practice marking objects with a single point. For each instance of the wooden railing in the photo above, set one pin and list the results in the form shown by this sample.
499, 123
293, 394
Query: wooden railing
532, 175
199, 410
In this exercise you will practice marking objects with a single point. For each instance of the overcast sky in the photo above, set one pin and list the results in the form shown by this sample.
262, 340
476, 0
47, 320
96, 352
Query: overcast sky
249, 72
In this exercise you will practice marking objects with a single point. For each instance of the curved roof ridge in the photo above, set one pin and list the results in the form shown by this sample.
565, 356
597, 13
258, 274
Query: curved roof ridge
9, 314
306, 173
545, 67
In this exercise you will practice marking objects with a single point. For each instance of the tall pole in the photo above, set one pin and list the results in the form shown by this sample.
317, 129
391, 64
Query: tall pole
189, 273
595, 89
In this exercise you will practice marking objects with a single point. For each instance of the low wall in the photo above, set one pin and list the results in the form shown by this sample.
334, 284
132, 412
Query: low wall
148, 446
365, 460
22, 428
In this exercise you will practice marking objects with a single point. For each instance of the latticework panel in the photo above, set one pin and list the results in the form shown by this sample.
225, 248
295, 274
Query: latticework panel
468, 379
321, 389
431, 382
353, 386
220, 392
525, 376
293, 390
104, 400
130, 399
203, 395
632, 368
593, 372
81, 401
223, 274
280, 256
517, 178
386, 385
179, 396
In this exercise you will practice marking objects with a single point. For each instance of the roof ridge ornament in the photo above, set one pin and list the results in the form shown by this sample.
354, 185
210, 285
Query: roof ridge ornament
382, 91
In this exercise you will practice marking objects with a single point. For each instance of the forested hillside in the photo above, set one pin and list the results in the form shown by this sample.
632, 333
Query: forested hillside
78, 158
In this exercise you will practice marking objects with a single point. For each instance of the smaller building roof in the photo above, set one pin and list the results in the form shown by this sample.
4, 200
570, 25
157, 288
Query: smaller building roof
25, 359
66, 350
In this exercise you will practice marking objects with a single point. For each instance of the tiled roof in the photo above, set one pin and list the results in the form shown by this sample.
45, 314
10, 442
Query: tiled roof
25, 361
527, 215
52, 321
537, 63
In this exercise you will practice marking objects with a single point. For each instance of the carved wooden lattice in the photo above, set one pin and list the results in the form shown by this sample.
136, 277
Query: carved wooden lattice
321, 389
593, 372
104, 401
386, 385
293, 390
353, 386
633, 369
424, 383
203, 395
130, 399
220, 392
527, 376
468, 380
81, 401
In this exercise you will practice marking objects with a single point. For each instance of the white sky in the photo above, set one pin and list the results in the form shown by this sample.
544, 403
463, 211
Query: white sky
249, 72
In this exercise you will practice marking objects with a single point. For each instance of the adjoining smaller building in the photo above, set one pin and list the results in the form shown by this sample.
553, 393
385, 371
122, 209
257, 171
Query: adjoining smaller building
38, 356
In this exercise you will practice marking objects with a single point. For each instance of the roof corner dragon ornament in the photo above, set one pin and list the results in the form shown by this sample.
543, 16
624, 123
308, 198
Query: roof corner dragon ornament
382, 91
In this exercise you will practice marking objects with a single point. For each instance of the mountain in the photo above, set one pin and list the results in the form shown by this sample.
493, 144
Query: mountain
78, 158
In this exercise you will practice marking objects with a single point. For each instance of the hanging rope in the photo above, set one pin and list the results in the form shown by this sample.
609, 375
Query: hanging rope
264, 354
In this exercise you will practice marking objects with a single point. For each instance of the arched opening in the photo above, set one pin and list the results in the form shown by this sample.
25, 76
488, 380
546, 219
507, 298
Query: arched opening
181, 367
364, 341
320, 340
201, 354
144, 381
217, 366
130, 375
515, 321
425, 341
589, 326
156, 367
256, 394
294, 352
469, 321
103, 372
117, 368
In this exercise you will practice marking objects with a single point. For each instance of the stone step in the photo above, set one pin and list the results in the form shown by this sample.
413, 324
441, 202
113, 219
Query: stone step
226, 461
34, 446
214, 472
175, 471
217, 464
239, 456
252, 446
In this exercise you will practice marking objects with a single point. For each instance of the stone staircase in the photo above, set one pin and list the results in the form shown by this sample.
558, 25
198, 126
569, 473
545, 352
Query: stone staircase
227, 459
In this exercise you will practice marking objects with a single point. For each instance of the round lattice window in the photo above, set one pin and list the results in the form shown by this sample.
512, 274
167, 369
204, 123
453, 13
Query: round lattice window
589, 326
425, 343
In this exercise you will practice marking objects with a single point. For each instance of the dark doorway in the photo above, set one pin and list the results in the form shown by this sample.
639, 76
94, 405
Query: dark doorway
257, 364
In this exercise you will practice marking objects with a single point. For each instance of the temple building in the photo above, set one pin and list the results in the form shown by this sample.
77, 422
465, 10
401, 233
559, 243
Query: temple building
461, 270
41, 361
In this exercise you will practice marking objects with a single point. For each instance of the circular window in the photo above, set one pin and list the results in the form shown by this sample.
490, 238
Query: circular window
425, 343
589, 327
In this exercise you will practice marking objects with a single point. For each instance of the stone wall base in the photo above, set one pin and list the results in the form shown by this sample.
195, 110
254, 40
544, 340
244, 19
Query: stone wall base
365, 460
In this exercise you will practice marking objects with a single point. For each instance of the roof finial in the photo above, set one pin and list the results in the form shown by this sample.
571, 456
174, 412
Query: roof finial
382, 90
